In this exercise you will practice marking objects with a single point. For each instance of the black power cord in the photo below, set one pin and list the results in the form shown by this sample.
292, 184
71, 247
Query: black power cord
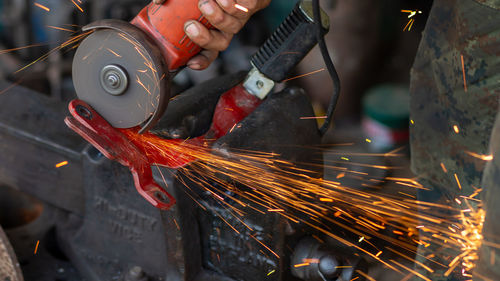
329, 65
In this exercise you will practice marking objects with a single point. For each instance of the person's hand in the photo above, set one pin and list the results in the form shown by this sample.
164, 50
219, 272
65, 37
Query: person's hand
228, 17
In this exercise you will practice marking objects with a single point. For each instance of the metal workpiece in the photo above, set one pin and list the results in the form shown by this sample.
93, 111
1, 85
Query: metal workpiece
258, 84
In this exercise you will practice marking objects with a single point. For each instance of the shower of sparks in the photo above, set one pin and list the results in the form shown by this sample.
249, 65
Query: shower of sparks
241, 8
62, 164
411, 13
304, 75
41, 6
264, 183
463, 72
36, 247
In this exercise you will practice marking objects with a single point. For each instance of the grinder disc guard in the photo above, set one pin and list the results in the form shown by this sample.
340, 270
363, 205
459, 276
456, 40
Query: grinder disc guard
119, 72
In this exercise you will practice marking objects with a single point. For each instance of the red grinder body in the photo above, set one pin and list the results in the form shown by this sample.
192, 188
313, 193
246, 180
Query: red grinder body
165, 24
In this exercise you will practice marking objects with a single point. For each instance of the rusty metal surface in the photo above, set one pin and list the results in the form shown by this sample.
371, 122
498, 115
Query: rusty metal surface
9, 267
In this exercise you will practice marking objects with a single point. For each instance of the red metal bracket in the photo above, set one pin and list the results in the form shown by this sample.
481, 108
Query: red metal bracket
114, 143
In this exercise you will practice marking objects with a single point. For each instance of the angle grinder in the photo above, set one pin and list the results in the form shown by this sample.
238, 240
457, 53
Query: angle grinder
123, 69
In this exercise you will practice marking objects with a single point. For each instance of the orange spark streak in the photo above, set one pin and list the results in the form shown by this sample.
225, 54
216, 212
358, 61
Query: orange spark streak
60, 28
241, 8
114, 53
480, 156
444, 168
311, 260
64, 163
41, 6
9, 87
264, 245
79, 8
458, 182
315, 117
411, 270
365, 275
19, 48
411, 21
301, 264
36, 247
456, 129
303, 75
463, 72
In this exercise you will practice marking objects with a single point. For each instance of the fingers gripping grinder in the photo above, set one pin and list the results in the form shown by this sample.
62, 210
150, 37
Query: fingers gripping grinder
122, 72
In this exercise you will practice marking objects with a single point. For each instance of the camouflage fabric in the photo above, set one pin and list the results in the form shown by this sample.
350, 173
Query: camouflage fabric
488, 267
452, 118
439, 101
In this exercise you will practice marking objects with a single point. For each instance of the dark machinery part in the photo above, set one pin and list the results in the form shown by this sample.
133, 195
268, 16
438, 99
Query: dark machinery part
290, 43
9, 267
325, 262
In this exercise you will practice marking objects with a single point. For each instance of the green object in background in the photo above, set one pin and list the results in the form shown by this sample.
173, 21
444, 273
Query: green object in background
277, 11
386, 114
388, 105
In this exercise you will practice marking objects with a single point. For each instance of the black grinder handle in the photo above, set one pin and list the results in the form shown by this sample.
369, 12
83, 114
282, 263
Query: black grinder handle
290, 43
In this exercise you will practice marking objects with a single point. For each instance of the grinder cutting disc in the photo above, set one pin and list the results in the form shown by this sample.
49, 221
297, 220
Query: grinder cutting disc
120, 73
